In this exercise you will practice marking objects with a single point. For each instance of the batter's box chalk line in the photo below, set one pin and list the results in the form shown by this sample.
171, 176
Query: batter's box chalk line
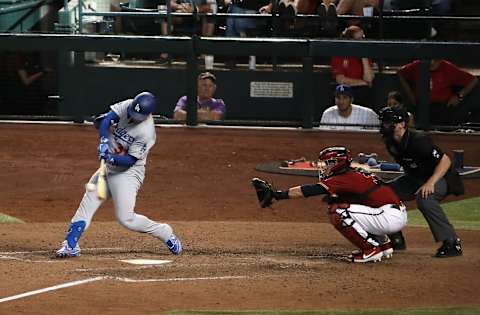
29, 256
49, 251
121, 279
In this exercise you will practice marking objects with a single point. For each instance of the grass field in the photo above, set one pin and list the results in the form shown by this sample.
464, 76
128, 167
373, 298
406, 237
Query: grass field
464, 214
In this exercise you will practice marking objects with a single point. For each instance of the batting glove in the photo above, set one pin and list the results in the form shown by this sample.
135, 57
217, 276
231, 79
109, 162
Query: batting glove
103, 148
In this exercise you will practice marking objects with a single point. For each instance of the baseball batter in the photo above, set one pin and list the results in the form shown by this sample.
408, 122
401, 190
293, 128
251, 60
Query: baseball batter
127, 133
361, 207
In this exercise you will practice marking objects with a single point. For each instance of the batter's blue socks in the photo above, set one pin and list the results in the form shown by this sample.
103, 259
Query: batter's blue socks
74, 232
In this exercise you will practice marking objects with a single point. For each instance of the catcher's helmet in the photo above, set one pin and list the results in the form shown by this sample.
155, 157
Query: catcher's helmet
142, 105
389, 116
333, 160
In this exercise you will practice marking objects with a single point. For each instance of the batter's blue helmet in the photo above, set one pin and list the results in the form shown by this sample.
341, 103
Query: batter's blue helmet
142, 105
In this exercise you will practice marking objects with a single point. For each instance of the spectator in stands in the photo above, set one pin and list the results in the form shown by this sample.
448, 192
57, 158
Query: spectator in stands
288, 9
344, 112
395, 100
240, 27
327, 11
449, 86
208, 108
355, 7
117, 21
244, 27
438, 7
22, 87
191, 6
355, 72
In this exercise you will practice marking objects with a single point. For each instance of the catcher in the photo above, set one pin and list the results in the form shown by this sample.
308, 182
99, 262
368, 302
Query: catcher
360, 206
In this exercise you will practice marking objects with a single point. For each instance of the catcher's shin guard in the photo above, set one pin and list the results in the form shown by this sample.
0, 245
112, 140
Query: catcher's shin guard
350, 229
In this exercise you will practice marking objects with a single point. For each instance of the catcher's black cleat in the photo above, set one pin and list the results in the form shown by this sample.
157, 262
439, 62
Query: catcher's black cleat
450, 248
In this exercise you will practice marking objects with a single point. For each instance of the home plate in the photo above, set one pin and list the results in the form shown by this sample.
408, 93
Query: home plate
146, 261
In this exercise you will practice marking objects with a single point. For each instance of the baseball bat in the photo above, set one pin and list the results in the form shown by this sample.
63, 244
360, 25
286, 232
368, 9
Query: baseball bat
102, 182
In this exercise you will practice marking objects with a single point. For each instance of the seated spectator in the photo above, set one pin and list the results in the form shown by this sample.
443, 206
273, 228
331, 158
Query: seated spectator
243, 27
288, 9
190, 6
442, 7
21, 79
355, 7
438, 7
240, 27
395, 100
208, 108
433, 7
327, 11
353, 71
449, 86
344, 112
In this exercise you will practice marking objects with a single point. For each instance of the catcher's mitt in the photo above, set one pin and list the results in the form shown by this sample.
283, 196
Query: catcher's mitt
265, 192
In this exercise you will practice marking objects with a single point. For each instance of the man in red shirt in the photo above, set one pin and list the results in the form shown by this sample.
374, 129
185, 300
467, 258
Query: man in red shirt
449, 85
353, 71
360, 206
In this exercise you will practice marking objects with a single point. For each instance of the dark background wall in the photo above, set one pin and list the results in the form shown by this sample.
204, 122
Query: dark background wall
90, 89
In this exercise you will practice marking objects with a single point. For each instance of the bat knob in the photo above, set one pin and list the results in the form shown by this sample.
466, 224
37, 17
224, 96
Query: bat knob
90, 186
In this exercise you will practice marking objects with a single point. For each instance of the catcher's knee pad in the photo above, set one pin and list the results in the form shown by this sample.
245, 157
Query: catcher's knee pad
351, 230
336, 212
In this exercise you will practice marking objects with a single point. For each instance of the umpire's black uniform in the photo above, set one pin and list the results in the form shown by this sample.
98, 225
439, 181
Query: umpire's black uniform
419, 157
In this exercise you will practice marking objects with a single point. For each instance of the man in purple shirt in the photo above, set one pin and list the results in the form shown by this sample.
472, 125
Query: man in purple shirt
209, 108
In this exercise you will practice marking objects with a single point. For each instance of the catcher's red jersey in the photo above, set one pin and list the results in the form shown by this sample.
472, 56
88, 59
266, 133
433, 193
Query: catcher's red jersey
357, 187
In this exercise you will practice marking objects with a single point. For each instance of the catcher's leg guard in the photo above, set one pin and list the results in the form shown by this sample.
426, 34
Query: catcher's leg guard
350, 229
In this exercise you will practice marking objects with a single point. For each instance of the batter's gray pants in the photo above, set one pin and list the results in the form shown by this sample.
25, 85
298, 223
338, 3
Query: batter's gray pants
122, 188
406, 186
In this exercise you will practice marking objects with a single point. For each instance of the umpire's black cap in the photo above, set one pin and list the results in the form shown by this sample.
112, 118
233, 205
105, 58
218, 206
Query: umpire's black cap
393, 115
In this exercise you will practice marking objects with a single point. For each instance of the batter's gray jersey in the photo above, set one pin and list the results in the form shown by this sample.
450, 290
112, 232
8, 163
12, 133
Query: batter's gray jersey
131, 138
136, 139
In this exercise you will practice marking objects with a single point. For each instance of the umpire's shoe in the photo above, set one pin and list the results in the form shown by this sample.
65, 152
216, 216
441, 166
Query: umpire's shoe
66, 251
174, 245
450, 248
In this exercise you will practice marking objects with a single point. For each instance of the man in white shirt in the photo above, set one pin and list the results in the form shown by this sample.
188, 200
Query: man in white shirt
347, 116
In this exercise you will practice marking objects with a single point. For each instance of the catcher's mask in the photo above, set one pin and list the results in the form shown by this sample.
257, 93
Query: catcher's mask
389, 116
333, 160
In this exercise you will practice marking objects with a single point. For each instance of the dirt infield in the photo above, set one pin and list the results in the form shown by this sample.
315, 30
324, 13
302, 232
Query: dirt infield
237, 256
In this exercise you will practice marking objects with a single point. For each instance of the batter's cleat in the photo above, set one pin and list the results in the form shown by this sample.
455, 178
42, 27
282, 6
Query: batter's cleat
66, 251
373, 254
450, 248
174, 245
387, 250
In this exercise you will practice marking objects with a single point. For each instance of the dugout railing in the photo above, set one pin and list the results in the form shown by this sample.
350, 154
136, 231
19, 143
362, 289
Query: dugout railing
68, 47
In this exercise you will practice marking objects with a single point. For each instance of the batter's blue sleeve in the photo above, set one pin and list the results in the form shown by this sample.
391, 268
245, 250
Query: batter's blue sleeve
122, 160
104, 127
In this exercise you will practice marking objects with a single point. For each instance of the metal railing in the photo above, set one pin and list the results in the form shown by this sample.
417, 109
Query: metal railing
382, 19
